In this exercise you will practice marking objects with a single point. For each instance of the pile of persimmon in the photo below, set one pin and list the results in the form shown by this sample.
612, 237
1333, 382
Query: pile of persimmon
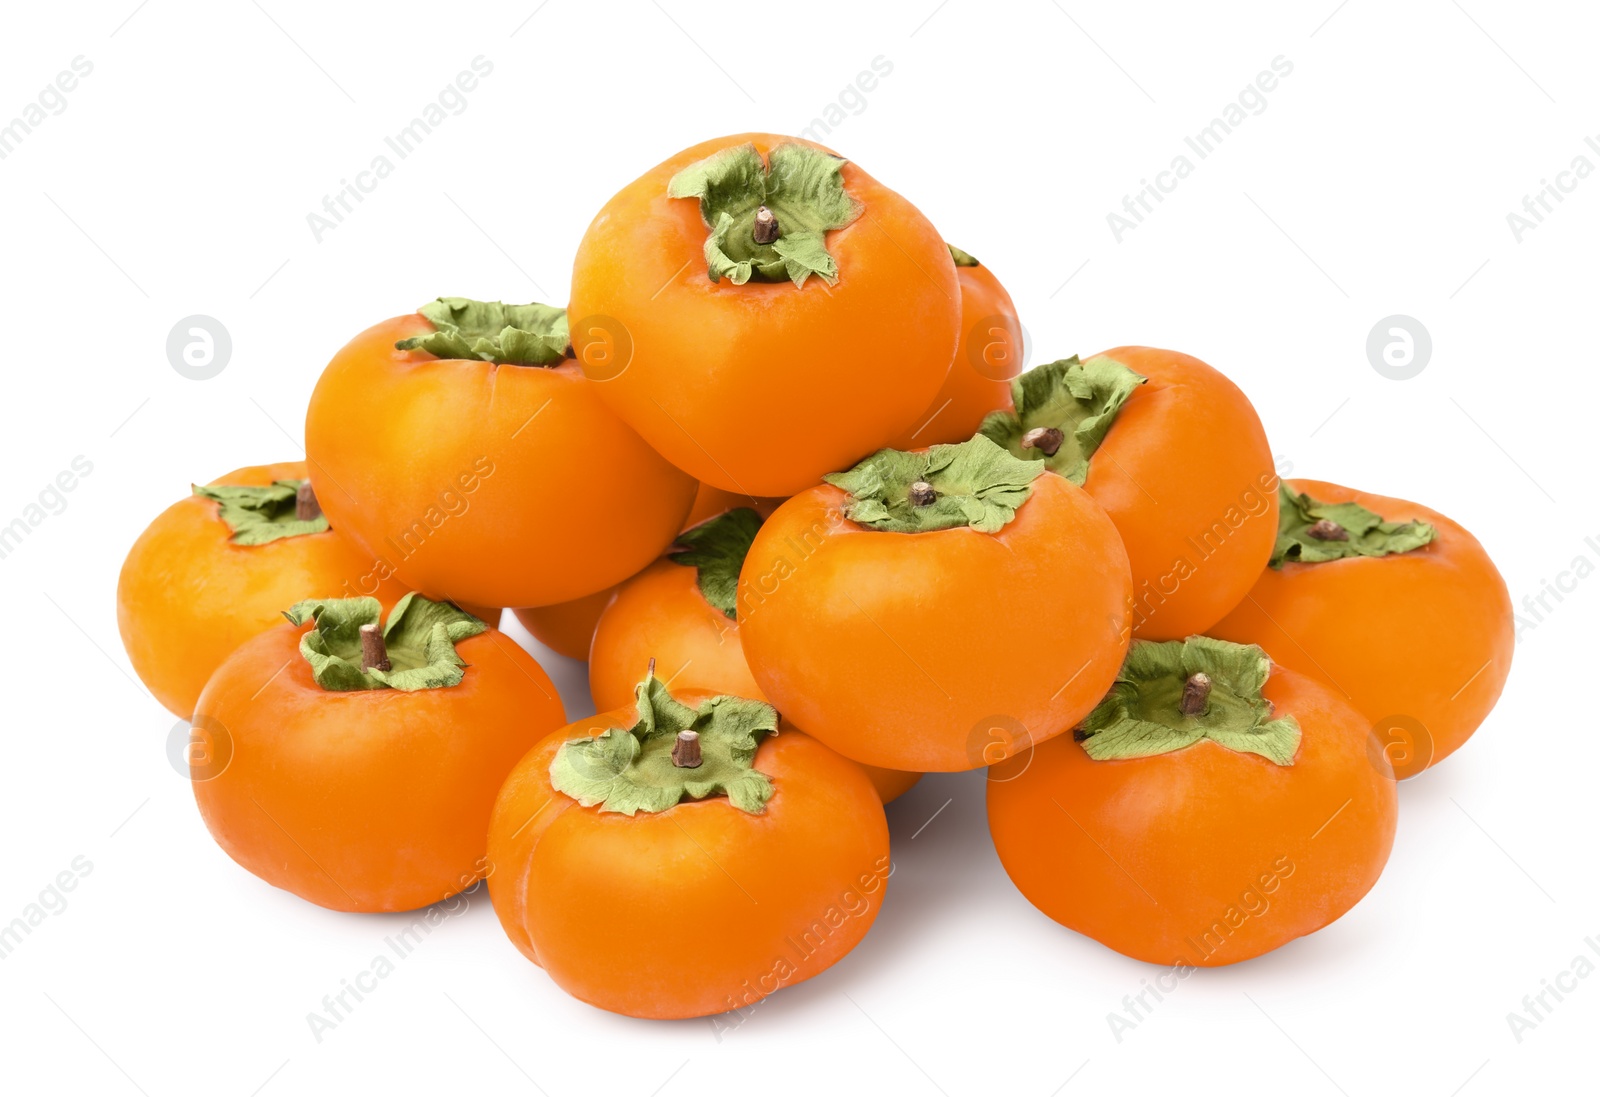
778, 476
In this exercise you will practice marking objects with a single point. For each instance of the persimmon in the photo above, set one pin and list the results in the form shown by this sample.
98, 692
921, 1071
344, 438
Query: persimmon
357, 767
568, 627
739, 860
218, 566
905, 610
763, 311
681, 614
462, 448
1212, 808
991, 352
1392, 605
1176, 455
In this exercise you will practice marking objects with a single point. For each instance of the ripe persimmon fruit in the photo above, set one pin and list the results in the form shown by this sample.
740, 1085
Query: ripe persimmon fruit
906, 609
464, 449
1393, 606
217, 567
739, 859
764, 312
356, 767
1212, 808
1176, 455
681, 614
991, 353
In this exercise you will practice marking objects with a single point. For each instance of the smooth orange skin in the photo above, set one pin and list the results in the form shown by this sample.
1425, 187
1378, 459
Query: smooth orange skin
660, 614
1147, 855
187, 596
711, 898
891, 783
980, 378
935, 651
566, 627
762, 388
1425, 635
564, 501
370, 800
1186, 455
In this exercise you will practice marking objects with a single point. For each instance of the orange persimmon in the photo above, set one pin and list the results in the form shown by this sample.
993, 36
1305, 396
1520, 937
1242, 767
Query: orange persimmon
219, 566
680, 614
1390, 604
1205, 813
460, 447
739, 860
1176, 455
763, 312
936, 610
990, 355
356, 767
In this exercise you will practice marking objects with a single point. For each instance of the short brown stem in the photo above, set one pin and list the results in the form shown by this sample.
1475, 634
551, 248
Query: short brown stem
922, 494
686, 751
306, 507
1196, 691
765, 229
374, 654
1045, 439
1326, 529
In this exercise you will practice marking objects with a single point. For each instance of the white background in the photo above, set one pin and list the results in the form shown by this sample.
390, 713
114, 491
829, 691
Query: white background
1377, 181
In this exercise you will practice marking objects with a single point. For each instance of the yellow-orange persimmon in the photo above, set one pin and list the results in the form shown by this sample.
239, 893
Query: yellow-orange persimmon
219, 566
1176, 455
479, 464
1390, 604
990, 355
763, 312
936, 610
1204, 814
745, 860
358, 783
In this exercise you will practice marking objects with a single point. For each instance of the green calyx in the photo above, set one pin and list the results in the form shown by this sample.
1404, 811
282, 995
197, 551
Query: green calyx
418, 643
716, 550
1063, 411
1172, 694
975, 484
961, 258
643, 767
768, 221
257, 515
1311, 532
507, 335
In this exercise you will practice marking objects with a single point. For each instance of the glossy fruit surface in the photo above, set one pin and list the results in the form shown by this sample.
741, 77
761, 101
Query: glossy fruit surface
762, 387
1419, 642
188, 596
